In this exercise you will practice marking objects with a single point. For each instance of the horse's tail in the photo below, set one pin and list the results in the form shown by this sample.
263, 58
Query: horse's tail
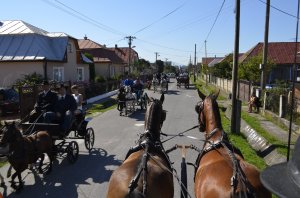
135, 194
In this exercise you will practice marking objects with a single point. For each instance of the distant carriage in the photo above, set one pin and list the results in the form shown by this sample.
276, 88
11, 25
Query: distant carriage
183, 80
132, 100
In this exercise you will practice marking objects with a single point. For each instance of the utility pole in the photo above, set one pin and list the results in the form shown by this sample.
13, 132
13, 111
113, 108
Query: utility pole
156, 55
206, 63
235, 67
265, 52
293, 87
130, 39
195, 65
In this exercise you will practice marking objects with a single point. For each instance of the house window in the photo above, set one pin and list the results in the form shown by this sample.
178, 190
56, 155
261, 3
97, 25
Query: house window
69, 47
58, 73
112, 70
80, 74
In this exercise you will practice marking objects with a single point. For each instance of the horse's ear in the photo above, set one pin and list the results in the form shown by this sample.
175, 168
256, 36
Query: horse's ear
6, 123
162, 98
216, 95
201, 95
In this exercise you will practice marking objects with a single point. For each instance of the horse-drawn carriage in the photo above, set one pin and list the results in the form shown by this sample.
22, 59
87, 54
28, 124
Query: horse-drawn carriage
183, 80
132, 99
67, 143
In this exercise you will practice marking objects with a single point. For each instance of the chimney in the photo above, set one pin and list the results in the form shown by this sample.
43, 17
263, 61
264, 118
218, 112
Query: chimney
116, 46
85, 37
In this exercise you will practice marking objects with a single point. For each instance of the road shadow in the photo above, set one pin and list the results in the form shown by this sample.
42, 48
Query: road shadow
172, 92
139, 115
65, 178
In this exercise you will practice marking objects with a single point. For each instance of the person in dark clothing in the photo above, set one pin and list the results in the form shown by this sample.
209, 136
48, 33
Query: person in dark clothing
63, 110
46, 101
138, 88
158, 76
121, 99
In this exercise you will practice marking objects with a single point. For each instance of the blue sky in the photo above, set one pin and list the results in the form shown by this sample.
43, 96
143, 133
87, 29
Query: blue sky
171, 34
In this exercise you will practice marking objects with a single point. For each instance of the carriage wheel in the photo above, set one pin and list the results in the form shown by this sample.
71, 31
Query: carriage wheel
89, 139
72, 152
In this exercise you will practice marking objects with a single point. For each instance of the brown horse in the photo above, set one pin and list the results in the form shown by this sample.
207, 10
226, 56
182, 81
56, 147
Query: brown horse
25, 150
146, 171
221, 169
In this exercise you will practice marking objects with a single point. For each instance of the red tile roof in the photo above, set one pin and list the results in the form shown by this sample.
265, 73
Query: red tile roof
88, 44
278, 52
123, 53
207, 60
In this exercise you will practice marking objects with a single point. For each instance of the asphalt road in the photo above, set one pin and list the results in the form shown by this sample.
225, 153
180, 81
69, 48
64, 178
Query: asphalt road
115, 134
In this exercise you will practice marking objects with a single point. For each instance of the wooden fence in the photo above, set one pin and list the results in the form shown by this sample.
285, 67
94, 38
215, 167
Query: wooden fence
28, 94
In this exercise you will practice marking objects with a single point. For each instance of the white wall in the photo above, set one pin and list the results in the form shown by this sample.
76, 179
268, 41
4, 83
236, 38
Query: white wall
11, 71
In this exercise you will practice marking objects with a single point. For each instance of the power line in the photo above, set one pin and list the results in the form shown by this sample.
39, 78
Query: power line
83, 17
165, 16
155, 44
215, 20
284, 12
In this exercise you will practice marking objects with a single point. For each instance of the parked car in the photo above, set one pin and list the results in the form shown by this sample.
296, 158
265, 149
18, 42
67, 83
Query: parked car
9, 101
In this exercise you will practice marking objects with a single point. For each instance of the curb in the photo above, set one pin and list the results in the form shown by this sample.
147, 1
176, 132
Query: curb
264, 149
262, 146
96, 98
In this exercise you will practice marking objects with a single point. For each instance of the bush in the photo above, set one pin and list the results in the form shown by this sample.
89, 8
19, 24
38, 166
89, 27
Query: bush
30, 79
100, 79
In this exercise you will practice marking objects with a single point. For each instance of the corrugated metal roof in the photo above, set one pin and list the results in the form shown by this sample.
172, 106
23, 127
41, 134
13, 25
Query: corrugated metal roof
21, 41
32, 47
19, 27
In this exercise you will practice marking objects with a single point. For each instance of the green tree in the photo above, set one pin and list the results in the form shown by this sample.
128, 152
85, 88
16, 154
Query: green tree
30, 79
160, 64
250, 69
224, 68
141, 65
91, 67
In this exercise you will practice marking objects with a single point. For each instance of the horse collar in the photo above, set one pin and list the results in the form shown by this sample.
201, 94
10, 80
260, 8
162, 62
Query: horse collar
212, 133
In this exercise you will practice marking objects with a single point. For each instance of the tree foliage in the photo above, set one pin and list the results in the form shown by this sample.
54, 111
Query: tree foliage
160, 65
30, 79
141, 65
224, 68
250, 71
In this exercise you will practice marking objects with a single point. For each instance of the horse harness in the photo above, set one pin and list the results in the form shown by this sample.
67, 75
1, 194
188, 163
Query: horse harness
149, 145
246, 189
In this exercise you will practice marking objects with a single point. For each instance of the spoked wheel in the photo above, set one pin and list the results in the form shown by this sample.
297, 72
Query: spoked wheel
89, 139
72, 152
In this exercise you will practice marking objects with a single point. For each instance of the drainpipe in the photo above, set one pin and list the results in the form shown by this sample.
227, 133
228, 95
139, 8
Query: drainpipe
45, 69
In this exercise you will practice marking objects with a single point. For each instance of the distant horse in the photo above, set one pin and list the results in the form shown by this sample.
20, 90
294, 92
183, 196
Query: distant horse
146, 171
25, 150
221, 168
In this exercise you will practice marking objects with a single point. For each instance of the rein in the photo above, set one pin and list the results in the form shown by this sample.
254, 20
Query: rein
237, 174
179, 134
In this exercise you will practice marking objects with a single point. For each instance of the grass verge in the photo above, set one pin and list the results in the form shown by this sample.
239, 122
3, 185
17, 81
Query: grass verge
101, 107
240, 141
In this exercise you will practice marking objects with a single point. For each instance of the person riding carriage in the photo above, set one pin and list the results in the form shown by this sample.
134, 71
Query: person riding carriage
63, 111
46, 101
138, 88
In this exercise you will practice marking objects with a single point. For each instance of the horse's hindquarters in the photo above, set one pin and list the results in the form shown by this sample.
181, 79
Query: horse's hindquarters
159, 180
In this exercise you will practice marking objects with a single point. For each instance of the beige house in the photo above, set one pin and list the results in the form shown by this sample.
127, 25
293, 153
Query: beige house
108, 62
25, 49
